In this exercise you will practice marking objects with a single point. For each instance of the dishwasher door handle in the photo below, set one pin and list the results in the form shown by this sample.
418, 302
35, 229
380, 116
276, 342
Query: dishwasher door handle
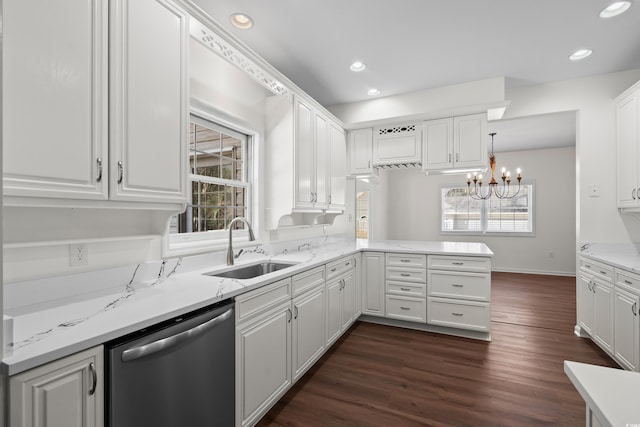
165, 343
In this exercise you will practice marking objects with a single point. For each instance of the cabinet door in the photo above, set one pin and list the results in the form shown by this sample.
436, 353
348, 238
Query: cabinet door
321, 150
148, 103
308, 330
627, 140
397, 144
67, 392
603, 315
334, 310
585, 304
437, 144
305, 156
338, 161
373, 284
360, 151
357, 301
263, 365
348, 299
55, 99
626, 326
470, 141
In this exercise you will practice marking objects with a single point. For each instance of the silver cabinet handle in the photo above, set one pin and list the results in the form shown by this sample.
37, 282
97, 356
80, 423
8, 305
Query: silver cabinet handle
634, 308
405, 289
455, 285
405, 274
120, 172
165, 343
457, 157
633, 194
334, 269
99, 161
289, 315
593, 286
587, 265
449, 157
344, 284
369, 164
405, 260
347, 263
329, 199
458, 314
94, 378
355, 262
405, 308
603, 272
457, 263
628, 282
295, 310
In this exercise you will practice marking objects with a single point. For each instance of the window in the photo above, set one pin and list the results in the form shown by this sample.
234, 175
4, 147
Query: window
465, 215
219, 186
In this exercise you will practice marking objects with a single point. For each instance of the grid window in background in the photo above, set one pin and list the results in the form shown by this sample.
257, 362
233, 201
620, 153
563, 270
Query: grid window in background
362, 215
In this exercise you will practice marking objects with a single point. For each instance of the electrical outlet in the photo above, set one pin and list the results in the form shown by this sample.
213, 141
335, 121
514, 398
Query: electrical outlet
78, 255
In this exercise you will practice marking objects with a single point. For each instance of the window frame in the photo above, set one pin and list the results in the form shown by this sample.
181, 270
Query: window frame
484, 215
178, 244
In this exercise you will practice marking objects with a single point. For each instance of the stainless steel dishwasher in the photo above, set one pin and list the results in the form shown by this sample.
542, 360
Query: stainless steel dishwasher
177, 373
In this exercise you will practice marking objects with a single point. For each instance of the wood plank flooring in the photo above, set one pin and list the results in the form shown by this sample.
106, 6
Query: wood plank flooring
383, 376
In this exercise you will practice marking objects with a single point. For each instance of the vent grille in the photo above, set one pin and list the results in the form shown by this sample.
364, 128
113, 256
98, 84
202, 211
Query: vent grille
397, 129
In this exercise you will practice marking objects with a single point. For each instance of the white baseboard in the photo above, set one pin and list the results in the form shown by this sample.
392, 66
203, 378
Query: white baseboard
543, 273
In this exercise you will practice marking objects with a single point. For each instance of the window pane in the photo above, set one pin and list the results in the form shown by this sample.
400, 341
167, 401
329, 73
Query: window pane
459, 211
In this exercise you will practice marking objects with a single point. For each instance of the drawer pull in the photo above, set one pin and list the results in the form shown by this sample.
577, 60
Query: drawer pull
458, 314
347, 263
405, 260
628, 282
634, 309
457, 263
334, 269
455, 285
405, 308
405, 289
603, 272
587, 265
405, 274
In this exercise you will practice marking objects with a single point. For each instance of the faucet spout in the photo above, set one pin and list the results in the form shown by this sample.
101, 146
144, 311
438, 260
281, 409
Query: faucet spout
230, 256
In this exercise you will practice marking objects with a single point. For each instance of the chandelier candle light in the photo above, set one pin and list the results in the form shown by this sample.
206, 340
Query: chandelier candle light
501, 192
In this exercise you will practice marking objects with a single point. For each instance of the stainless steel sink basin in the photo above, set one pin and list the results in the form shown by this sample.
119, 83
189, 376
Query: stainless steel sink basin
250, 271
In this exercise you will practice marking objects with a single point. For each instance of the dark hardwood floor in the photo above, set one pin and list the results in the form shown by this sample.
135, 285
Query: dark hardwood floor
383, 376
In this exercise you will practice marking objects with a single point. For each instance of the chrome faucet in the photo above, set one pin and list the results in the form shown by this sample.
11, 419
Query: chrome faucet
230, 255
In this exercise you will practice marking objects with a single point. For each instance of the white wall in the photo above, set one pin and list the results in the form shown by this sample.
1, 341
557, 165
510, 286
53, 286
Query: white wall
408, 204
598, 219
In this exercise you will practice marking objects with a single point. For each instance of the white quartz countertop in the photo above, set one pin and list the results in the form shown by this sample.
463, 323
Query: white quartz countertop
626, 257
612, 394
44, 335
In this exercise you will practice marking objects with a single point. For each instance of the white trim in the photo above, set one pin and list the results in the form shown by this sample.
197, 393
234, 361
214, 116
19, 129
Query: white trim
536, 272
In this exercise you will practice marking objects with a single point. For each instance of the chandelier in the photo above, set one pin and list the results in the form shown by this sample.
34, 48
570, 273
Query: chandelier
503, 191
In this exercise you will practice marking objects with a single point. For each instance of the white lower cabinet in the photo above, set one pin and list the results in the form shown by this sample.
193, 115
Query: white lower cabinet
459, 292
373, 283
596, 301
406, 280
341, 285
626, 322
67, 393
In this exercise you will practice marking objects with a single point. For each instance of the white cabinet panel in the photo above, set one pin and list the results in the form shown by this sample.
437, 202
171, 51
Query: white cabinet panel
628, 153
409, 309
397, 144
55, 98
338, 169
437, 144
461, 314
373, 283
148, 104
360, 151
627, 329
321, 149
308, 330
68, 392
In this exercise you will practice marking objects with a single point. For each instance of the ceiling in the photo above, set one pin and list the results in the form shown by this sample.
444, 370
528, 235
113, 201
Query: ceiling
411, 45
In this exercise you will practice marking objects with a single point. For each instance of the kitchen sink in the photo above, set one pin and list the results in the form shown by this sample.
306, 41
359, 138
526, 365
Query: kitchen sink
250, 271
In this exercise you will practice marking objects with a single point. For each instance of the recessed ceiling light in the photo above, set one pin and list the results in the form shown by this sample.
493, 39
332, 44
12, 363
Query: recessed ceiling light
242, 21
357, 66
373, 92
580, 54
615, 9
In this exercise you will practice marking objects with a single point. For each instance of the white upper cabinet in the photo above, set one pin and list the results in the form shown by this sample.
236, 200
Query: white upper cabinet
455, 143
338, 163
81, 71
628, 153
397, 144
360, 152
55, 98
148, 116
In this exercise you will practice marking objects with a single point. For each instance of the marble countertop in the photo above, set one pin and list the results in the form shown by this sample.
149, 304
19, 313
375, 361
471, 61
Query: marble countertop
624, 256
610, 393
43, 335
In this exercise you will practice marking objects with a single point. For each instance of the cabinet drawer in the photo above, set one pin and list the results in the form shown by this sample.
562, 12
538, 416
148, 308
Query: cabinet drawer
628, 280
459, 263
406, 289
336, 268
307, 280
406, 260
475, 316
262, 299
594, 267
407, 274
471, 286
406, 308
